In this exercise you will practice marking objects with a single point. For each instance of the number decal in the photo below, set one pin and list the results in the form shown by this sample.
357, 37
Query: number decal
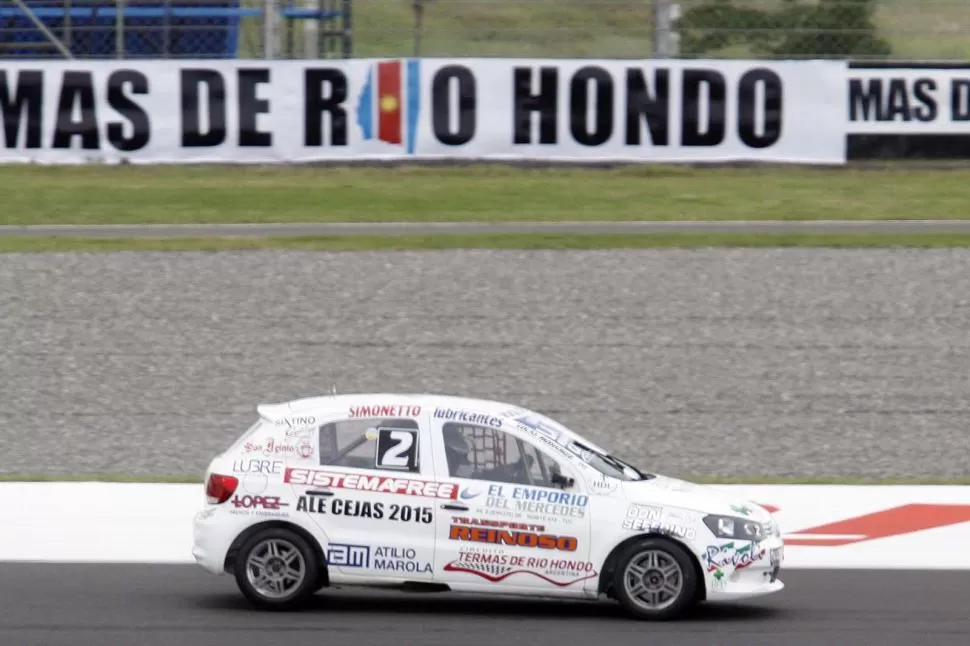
397, 449
407, 514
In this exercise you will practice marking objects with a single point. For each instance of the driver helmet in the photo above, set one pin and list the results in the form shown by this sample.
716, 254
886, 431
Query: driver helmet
457, 447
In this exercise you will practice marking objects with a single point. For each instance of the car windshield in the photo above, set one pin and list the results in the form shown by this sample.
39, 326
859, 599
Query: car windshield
594, 457
607, 464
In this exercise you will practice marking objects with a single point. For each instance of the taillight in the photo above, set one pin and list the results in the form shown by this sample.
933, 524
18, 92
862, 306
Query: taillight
219, 488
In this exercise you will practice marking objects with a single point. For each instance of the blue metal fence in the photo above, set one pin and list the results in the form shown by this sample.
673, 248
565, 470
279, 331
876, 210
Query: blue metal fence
152, 28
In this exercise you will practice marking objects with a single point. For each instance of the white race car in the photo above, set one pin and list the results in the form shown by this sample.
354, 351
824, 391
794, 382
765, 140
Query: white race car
442, 493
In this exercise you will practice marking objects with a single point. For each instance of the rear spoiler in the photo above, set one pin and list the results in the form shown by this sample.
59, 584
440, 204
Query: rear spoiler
273, 412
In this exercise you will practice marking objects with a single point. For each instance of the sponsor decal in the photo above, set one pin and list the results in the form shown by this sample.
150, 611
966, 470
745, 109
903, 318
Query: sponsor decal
603, 486
719, 558
644, 512
297, 426
381, 558
536, 426
465, 416
665, 527
273, 447
377, 484
502, 524
385, 411
584, 454
290, 422
267, 467
648, 518
497, 567
262, 502
533, 494
364, 509
535, 504
468, 493
534, 509
258, 505
300, 431
558, 448
744, 510
348, 555
518, 538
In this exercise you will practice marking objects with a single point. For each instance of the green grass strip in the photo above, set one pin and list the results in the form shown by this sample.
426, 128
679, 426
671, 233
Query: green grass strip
550, 241
479, 193
753, 480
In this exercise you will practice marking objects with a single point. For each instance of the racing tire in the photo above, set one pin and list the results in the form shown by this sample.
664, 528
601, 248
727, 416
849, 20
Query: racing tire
276, 569
655, 580
321, 582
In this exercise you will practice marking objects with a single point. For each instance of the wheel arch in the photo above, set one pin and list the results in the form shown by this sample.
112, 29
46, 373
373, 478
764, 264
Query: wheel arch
610, 563
229, 563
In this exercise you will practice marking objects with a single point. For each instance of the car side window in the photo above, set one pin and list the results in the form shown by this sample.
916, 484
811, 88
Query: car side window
485, 453
541, 466
374, 443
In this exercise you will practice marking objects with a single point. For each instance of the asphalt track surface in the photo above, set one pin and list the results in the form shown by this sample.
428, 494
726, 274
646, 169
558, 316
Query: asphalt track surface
718, 363
152, 605
466, 228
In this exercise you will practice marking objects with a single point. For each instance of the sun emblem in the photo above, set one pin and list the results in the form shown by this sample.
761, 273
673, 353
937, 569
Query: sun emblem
388, 103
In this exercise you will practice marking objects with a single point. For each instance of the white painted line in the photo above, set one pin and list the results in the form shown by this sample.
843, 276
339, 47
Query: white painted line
825, 537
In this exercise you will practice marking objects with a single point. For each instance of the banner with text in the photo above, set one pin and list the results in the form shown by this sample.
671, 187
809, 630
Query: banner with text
489, 109
908, 110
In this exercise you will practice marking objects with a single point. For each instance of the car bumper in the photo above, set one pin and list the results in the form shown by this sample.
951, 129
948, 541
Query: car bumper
210, 544
750, 578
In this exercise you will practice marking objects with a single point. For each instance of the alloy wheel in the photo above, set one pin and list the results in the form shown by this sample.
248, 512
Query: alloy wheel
275, 568
653, 579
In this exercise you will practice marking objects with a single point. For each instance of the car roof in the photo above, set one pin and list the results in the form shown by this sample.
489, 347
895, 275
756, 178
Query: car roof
326, 404
330, 404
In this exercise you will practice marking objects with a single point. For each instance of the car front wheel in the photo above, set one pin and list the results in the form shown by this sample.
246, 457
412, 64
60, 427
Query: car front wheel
276, 570
655, 579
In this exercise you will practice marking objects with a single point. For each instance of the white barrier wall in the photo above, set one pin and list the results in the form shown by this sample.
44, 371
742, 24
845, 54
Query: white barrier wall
912, 527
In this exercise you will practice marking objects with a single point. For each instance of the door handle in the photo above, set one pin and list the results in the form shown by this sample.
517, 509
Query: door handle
311, 492
455, 507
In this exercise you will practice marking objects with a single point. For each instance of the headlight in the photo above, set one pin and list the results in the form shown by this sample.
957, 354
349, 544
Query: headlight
740, 528
773, 529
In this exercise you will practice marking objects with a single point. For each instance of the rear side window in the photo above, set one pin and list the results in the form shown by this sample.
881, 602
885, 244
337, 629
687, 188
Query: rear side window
376, 443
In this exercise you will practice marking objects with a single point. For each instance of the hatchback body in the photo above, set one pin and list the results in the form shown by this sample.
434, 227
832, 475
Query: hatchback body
438, 493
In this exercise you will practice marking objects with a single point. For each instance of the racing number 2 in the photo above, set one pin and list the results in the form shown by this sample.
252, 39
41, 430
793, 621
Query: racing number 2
397, 449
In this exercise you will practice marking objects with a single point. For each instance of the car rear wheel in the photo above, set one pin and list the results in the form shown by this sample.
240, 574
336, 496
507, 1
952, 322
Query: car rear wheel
276, 570
655, 579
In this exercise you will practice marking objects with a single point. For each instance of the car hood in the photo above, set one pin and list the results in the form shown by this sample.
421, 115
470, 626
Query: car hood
662, 490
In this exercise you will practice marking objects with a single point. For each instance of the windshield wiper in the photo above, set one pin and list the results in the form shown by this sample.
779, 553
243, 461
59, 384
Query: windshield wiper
614, 462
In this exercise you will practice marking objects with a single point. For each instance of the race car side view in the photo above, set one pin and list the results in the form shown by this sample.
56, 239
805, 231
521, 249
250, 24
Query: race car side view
446, 493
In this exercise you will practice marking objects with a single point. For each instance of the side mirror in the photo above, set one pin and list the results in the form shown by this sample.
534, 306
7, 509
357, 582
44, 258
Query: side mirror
563, 481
